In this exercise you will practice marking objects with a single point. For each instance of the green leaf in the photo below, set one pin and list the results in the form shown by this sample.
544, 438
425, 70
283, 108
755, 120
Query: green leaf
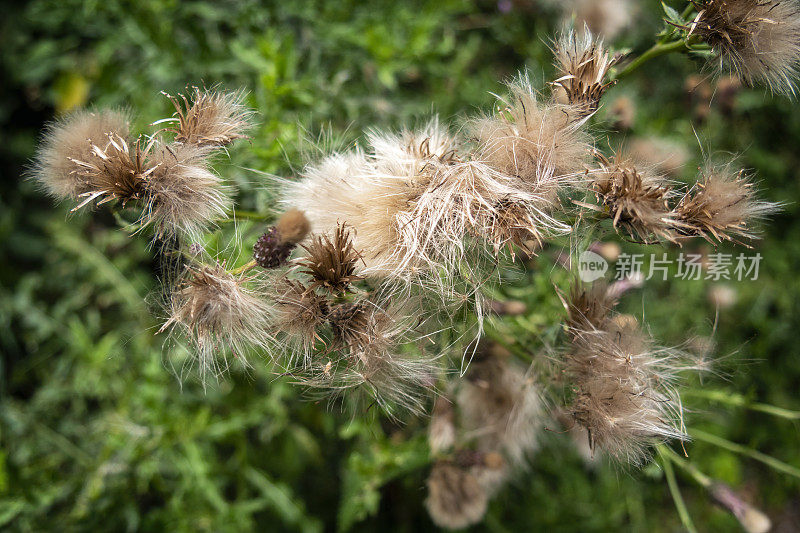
366, 471
673, 16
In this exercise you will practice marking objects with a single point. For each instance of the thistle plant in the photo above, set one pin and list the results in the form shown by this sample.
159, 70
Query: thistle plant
371, 286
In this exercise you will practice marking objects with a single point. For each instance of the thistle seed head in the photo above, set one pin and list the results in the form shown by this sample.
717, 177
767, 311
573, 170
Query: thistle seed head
582, 65
183, 196
539, 143
500, 406
331, 261
300, 313
115, 170
219, 313
638, 201
623, 383
759, 40
71, 139
722, 206
210, 118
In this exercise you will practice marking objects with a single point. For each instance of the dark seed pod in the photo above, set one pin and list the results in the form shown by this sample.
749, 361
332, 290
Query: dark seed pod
270, 251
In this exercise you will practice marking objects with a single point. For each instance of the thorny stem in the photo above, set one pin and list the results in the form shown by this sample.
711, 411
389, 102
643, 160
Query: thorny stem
680, 505
744, 450
737, 400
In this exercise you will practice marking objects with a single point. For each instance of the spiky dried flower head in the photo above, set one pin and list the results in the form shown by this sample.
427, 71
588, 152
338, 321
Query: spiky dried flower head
540, 143
500, 405
210, 118
722, 206
759, 40
219, 313
89, 157
364, 359
115, 170
455, 497
582, 64
300, 313
183, 196
331, 260
637, 200
623, 394
73, 138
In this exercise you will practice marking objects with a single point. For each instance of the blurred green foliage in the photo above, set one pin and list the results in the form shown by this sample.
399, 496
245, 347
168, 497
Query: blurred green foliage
98, 433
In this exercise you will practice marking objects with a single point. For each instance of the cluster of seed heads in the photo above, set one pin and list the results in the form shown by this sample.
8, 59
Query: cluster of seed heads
380, 245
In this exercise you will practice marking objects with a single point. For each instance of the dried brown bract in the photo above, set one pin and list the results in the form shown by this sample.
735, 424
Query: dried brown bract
115, 170
455, 497
638, 201
583, 64
210, 118
74, 138
219, 313
722, 206
331, 261
759, 40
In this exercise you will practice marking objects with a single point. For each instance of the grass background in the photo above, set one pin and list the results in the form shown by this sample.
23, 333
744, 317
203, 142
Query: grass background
98, 434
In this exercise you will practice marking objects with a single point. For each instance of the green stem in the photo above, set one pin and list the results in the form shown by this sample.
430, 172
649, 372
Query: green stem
683, 512
657, 50
248, 215
702, 479
737, 400
244, 268
744, 450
